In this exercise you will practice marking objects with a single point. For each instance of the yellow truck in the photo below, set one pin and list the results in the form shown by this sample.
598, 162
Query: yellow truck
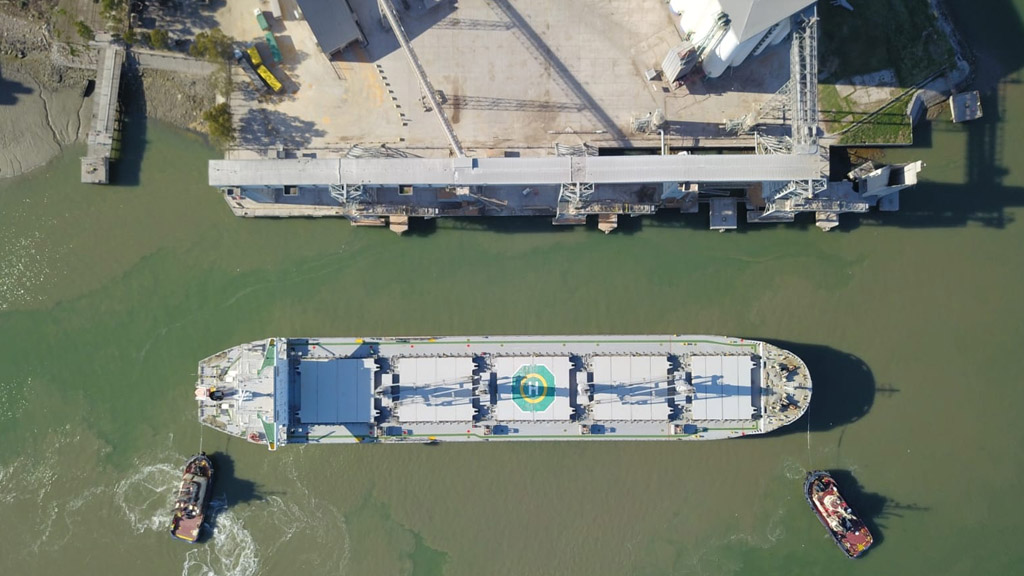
254, 55
269, 78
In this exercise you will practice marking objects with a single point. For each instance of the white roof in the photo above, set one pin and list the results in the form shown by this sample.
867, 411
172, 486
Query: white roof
722, 385
630, 388
435, 389
336, 391
550, 170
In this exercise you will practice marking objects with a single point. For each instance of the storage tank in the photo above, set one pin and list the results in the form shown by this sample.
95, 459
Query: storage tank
698, 21
774, 37
717, 60
745, 48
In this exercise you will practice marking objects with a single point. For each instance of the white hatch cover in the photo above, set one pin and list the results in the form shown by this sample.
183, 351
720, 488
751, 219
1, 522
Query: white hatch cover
722, 385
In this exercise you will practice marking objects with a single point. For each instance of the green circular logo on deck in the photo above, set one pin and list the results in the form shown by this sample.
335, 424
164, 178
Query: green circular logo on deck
533, 388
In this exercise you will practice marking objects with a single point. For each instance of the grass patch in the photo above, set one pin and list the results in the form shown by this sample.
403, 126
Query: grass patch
903, 35
891, 125
899, 35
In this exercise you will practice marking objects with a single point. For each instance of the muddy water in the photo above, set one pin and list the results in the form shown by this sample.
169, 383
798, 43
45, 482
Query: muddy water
910, 324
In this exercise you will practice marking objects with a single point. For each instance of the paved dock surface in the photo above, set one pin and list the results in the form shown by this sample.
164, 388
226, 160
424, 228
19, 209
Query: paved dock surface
96, 163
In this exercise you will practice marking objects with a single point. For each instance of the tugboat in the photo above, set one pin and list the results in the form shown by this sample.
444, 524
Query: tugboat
849, 531
193, 496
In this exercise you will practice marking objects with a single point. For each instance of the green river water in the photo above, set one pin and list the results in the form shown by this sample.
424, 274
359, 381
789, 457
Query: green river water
909, 323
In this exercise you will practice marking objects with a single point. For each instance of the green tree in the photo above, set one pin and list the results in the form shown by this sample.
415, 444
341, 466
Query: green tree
218, 122
111, 10
129, 36
158, 39
212, 45
84, 31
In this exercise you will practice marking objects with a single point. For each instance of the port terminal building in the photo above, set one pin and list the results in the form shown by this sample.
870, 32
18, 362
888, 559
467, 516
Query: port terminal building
575, 112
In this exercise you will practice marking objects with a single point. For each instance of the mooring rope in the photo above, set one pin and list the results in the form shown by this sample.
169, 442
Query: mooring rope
808, 414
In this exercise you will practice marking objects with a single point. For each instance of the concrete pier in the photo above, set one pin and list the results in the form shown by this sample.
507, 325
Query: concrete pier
96, 162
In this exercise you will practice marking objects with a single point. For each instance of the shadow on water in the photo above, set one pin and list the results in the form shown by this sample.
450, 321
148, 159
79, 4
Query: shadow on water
627, 225
982, 199
130, 140
420, 227
844, 387
228, 490
995, 36
873, 508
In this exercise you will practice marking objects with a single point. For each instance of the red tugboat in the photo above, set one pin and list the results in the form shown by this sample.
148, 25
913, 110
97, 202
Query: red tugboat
193, 496
849, 531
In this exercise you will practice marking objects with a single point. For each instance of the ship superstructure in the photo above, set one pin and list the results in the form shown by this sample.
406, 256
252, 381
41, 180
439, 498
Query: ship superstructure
344, 390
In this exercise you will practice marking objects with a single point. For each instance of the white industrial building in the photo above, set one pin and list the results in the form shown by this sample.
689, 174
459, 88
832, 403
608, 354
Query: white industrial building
725, 33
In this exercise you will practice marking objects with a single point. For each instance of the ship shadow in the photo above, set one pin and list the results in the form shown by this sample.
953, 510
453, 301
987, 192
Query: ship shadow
873, 508
228, 490
844, 388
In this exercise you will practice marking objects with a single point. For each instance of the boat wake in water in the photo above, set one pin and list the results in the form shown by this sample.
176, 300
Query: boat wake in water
240, 537
231, 551
281, 525
146, 495
46, 490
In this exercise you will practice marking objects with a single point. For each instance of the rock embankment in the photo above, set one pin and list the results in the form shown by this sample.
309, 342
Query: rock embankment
172, 97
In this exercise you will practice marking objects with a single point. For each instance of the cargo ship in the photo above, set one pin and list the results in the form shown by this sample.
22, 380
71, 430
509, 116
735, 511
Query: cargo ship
192, 498
848, 531
282, 391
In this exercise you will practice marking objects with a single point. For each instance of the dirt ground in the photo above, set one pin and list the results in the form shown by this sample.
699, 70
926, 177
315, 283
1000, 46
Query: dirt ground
514, 75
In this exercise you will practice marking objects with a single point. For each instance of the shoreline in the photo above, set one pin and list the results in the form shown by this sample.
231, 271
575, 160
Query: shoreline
43, 106
44, 110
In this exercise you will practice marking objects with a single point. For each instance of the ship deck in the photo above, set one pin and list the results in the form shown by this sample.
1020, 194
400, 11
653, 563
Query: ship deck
337, 390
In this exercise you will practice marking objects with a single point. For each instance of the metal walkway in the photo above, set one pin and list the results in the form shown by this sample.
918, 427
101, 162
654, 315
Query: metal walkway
553, 170
96, 162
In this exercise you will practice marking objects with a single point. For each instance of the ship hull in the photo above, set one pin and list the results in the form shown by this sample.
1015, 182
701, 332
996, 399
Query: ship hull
500, 388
